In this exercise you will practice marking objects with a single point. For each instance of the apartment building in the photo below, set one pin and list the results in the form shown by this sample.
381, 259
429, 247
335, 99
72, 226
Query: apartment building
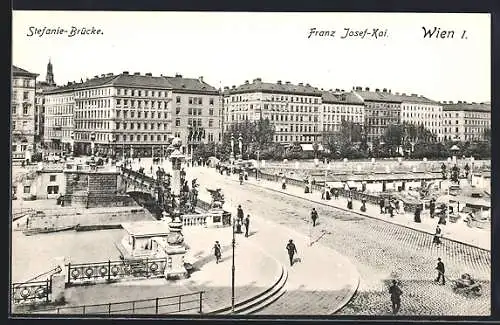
464, 121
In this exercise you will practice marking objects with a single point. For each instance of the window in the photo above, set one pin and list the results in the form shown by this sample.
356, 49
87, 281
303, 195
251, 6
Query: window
25, 95
177, 122
25, 109
178, 99
211, 111
177, 110
27, 189
211, 101
210, 123
53, 189
52, 178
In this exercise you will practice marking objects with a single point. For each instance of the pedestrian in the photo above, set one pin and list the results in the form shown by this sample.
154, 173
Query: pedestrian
391, 209
381, 204
386, 205
432, 208
349, 202
241, 178
314, 216
363, 204
283, 183
440, 269
397, 204
395, 293
217, 252
240, 213
292, 250
437, 236
247, 225
327, 194
336, 194
417, 214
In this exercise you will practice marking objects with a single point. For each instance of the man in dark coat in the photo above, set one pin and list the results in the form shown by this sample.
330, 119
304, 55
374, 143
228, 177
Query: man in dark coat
381, 204
440, 269
314, 216
247, 225
217, 252
292, 250
395, 293
240, 215
432, 207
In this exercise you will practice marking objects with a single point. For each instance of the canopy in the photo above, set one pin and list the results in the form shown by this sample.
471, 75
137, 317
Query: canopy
455, 147
309, 147
446, 199
335, 184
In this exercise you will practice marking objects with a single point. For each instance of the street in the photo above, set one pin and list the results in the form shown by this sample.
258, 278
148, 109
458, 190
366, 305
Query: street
381, 252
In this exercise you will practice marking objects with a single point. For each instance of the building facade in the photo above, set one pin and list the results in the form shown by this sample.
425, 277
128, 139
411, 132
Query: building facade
294, 110
338, 106
419, 110
132, 114
41, 88
59, 105
464, 121
23, 113
382, 108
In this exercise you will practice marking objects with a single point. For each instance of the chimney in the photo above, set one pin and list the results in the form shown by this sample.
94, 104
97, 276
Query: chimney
137, 73
109, 74
103, 75
377, 90
226, 88
246, 82
367, 89
336, 89
125, 72
414, 95
474, 103
234, 87
257, 80
390, 91
278, 82
149, 74
177, 75
95, 77
330, 89
200, 79
301, 84
384, 90
342, 90
403, 94
397, 93
288, 82
308, 85
322, 89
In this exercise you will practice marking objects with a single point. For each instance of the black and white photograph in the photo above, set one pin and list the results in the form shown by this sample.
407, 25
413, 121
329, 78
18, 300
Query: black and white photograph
240, 164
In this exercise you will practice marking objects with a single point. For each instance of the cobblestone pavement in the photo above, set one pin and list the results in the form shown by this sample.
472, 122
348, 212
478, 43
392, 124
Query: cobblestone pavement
381, 251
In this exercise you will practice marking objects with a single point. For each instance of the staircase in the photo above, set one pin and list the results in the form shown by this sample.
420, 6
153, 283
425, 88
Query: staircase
262, 300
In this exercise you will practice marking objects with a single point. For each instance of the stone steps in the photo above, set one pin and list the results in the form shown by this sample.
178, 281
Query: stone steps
259, 301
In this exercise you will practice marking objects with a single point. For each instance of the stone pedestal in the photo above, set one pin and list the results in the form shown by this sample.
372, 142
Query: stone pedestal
59, 281
175, 250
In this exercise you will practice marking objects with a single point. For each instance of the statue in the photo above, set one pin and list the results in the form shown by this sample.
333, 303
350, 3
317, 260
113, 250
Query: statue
217, 198
193, 195
443, 170
175, 237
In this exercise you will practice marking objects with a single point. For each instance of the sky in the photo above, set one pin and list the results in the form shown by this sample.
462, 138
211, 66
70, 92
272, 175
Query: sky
229, 48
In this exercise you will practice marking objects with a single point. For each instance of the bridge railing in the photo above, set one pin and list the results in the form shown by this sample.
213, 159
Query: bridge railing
190, 303
114, 270
31, 292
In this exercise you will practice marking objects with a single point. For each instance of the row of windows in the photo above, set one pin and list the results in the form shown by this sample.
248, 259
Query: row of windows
343, 109
26, 109
422, 108
51, 133
21, 147
59, 121
298, 138
149, 104
92, 114
26, 95
93, 92
60, 110
60, 99
421, 115
24, 126
280, 98
132, 114
143, 126
23, 82
142, 137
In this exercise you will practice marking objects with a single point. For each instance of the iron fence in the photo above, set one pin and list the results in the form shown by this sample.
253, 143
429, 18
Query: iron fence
191, 303
31, 292
114, 270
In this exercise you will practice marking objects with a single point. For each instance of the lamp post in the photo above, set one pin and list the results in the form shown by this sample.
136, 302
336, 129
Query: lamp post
233, 269
92, 143
72, 144
258, 164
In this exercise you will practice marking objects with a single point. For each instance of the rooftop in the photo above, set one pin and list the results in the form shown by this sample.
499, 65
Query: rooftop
125, 79
279, 87
146, 228
471, 107
341, 97
16, 71
386, 95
